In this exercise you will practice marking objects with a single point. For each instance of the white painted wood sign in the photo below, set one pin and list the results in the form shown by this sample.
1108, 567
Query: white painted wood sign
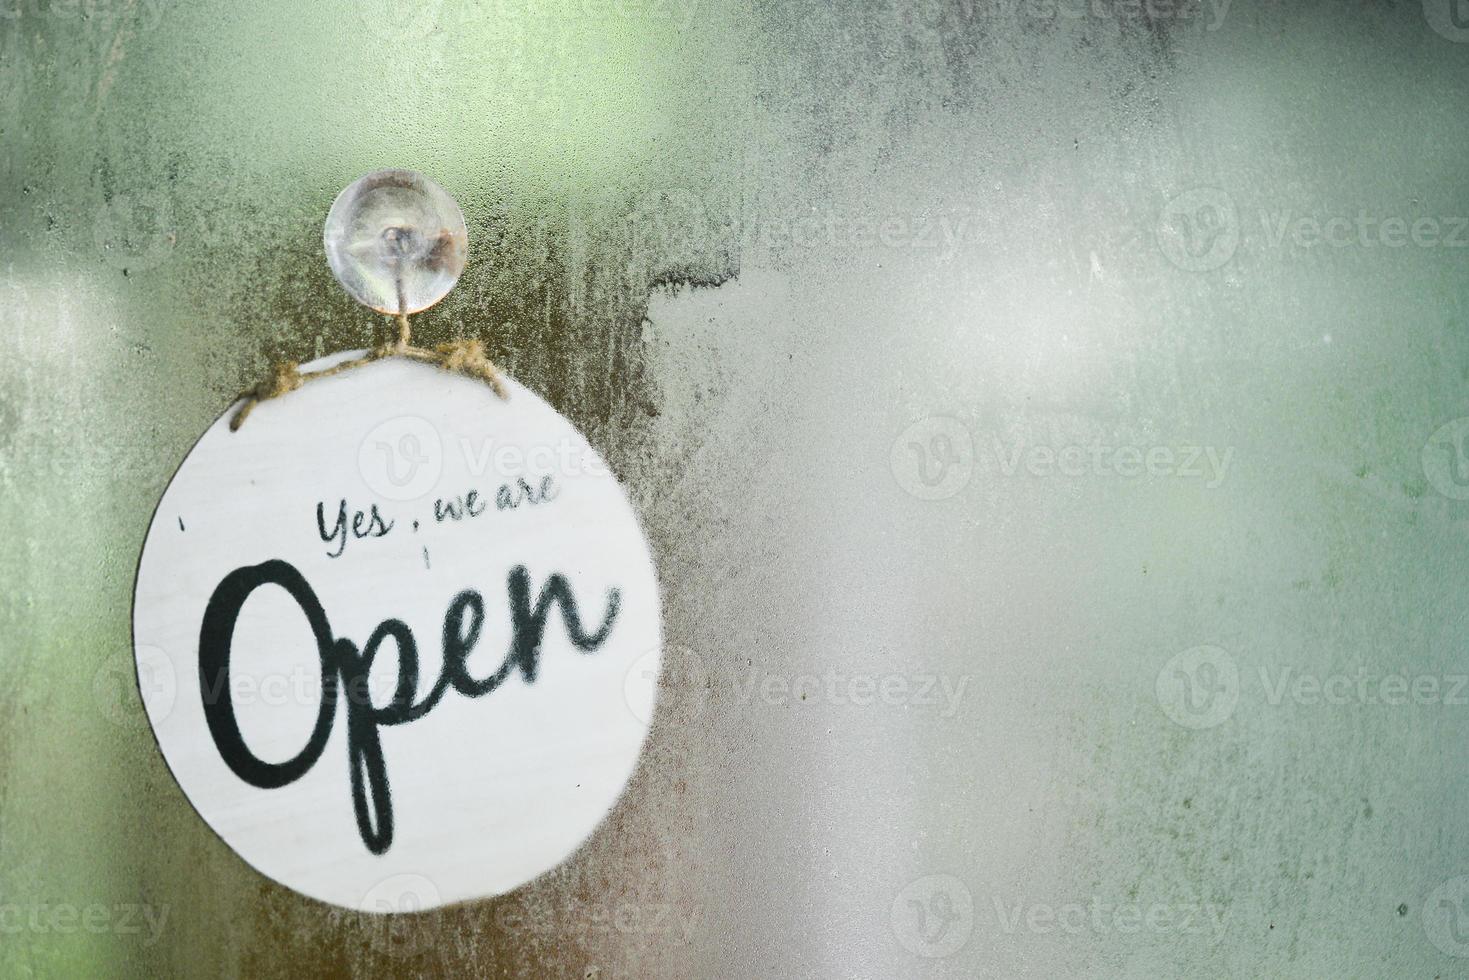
398, 638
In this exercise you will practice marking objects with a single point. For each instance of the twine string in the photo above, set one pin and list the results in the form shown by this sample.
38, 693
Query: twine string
465, 356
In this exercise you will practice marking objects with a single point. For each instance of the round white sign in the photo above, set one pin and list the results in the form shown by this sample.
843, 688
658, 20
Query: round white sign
396, 628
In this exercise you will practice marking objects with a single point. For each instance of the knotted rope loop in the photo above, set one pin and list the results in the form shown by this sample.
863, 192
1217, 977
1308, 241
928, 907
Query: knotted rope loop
466, 356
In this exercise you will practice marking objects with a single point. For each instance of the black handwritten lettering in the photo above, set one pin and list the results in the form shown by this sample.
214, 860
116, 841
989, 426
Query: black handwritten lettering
364, 525
340, 660
216, 636
509, 498
339, 530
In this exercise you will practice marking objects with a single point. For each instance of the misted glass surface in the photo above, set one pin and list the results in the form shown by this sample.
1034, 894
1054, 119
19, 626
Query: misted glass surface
1051, 422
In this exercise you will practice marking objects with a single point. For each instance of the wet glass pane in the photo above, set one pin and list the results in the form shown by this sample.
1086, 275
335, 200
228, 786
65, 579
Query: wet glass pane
1051, 421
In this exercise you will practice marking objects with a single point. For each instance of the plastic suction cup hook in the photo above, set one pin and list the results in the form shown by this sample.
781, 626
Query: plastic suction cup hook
396, 241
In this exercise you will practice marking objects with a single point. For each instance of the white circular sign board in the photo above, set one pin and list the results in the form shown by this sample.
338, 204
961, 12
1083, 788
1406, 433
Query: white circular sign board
398, 630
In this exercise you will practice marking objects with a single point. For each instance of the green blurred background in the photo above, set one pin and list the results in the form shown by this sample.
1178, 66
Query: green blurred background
759, 252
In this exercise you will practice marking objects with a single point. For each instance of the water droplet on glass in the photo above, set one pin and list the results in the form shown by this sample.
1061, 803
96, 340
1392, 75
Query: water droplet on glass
396, 241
